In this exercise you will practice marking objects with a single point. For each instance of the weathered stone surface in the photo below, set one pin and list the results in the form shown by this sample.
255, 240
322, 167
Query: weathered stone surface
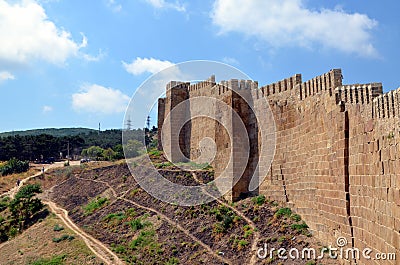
337, 157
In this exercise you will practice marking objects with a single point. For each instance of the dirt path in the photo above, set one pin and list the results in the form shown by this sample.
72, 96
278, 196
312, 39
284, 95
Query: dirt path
11, 193
184, 230
163, 216
98, 248
256, 233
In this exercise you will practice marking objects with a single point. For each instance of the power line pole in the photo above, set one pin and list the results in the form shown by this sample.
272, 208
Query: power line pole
148, 122
68, 151
128, 124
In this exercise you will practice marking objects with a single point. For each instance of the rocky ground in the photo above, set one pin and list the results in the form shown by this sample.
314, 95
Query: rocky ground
108, 204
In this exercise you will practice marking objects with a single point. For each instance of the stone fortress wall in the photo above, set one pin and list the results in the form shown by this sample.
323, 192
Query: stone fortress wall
337, 158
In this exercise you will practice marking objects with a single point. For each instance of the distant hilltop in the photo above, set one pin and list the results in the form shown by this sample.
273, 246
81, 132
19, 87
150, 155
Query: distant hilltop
56, 132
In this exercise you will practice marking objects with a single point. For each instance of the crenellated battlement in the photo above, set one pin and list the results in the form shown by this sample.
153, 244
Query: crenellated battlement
386, 105
221, 89
335, 155
326, 82
330, 82
177, 84
283, 85
236, 84
210, 82
358, 93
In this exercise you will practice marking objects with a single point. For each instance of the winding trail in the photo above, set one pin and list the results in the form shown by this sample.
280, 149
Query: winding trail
11, 193
256, 233
101, 250
163, 216
98, 248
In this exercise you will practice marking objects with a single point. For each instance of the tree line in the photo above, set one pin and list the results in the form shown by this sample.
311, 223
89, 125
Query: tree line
13, 166
44, 146
19, 213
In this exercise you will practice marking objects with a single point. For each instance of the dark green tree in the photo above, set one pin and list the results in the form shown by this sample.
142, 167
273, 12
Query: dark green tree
95, 152
119, 152
25, 205
14, 166
133, 148
108, 154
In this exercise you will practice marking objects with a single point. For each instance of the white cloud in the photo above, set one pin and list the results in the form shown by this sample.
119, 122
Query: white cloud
146, 65
4, 75
160, 80
27, 34
230, 60
114, 6
162, 4
98, 99
94, 58
290, 23
47, 109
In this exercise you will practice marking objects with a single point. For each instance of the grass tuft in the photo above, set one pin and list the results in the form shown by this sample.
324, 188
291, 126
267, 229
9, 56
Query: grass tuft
94, 204
283, 212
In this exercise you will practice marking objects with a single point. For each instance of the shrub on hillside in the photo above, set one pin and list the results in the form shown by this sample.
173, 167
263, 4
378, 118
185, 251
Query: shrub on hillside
25, 205
14, 166
94, 204
23, 211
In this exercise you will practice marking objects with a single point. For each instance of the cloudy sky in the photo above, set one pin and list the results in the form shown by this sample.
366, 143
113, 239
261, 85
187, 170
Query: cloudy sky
70, 63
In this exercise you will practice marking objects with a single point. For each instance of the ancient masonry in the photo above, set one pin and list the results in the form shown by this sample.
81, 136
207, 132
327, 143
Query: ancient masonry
337, 159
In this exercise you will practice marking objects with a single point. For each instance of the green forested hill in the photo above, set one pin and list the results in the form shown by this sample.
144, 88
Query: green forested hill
45, 143
56, 132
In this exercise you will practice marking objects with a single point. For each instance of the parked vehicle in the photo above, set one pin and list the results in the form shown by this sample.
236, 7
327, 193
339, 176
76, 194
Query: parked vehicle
49, 160
85, 160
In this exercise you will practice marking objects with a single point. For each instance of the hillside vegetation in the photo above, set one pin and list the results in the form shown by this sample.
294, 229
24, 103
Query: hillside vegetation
52, 142
56, 132
19, 213
41, 244
108, 203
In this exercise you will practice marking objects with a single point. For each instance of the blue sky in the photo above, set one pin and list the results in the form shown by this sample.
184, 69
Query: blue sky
69, 63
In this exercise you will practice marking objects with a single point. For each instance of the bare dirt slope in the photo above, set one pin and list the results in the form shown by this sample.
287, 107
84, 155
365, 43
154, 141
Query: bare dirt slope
99, 249
109, 205
37, 242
